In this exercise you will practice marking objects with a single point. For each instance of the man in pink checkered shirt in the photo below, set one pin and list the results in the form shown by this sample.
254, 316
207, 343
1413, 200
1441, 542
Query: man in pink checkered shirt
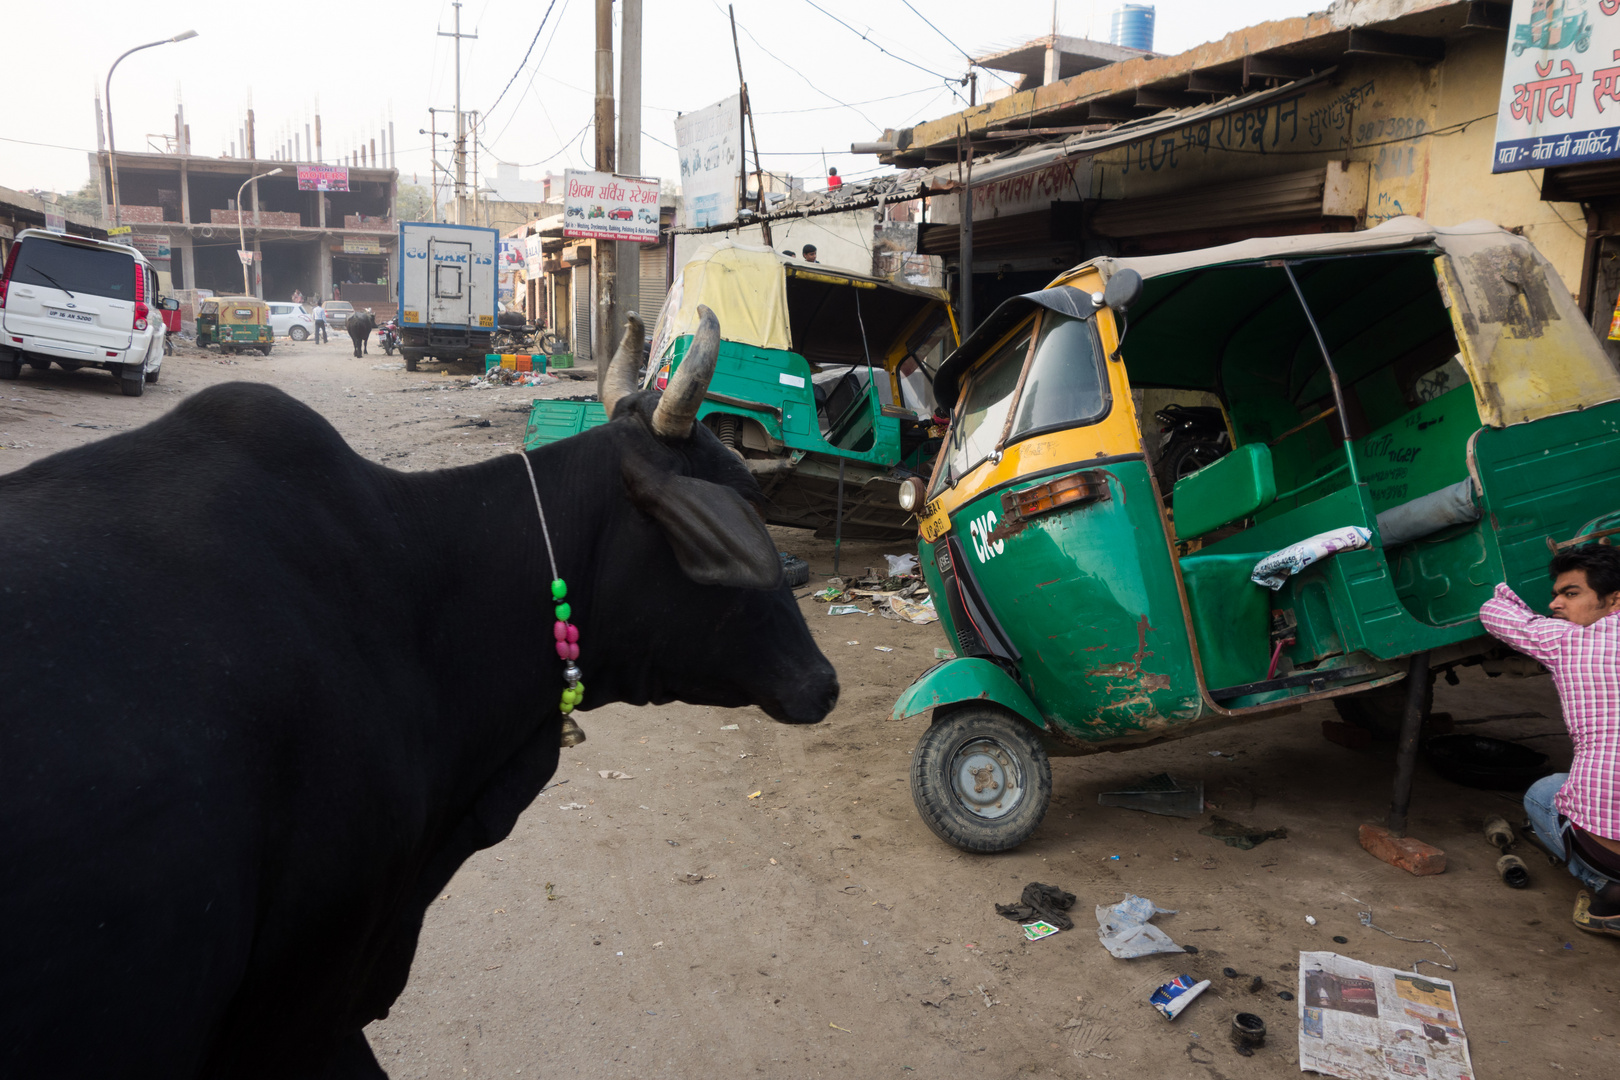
1576, 815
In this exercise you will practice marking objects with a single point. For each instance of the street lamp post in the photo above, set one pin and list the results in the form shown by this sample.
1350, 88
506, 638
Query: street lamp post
241, 230
112, 143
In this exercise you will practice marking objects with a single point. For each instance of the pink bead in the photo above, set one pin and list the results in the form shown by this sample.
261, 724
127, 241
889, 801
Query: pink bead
573, 633
562, 650
573, 652
560, 631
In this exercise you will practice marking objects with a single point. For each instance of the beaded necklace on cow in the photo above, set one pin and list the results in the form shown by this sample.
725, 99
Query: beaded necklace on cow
565, 633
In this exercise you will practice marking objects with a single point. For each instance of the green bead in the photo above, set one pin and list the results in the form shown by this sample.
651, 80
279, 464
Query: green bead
563, 611
566, 708
579, 689
559, 589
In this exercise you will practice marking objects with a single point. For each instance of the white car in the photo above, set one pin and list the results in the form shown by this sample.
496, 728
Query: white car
291, 320
80, 302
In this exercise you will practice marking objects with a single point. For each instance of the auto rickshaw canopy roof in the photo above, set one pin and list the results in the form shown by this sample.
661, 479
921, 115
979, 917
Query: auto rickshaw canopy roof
1527, 349
227, 306
826, 314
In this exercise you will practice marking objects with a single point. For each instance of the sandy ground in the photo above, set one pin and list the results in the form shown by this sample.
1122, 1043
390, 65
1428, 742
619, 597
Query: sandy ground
677, 924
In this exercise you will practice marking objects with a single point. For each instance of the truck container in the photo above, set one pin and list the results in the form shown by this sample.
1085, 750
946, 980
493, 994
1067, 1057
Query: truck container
447, 291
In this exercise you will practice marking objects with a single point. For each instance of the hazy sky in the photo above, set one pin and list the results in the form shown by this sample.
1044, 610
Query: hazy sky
816, 86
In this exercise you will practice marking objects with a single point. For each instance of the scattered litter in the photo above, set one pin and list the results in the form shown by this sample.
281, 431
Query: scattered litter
1159, 795
1366, 920
1242, 837
694, 879
1340, 939
729, 727
882, 648
847, 609
846, 1031
1229, 972
1310, 920
502, 376
920, 612
757, 794
1365, 1022
554, 783
658, 944
572, 806
1044, 902
673, 843
1248, 1033
1125, 931
828, 595
613, 774
851, 643
1175, 995
901, 565
1285, 995
1256, 985
387, 367
1040, 928
1113, 858
944, 654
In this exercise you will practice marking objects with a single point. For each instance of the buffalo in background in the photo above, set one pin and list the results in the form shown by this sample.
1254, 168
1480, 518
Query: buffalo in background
360, 326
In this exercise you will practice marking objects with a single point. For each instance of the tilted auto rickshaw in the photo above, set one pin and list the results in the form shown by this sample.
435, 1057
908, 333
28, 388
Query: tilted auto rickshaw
235, 323
822, 385
1422, 410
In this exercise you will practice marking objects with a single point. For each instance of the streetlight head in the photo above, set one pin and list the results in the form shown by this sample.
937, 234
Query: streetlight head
186, 36
275, 172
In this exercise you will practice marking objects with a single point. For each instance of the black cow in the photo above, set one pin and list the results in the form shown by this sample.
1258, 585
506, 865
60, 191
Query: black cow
248, 723
360, 326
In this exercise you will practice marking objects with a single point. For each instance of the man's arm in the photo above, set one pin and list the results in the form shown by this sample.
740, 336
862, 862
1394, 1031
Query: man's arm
1510, 620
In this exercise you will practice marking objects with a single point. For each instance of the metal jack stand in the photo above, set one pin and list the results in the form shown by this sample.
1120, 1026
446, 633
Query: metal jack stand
1391, 844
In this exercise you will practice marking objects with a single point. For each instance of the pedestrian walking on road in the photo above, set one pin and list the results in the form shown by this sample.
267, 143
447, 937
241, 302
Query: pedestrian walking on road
320, 322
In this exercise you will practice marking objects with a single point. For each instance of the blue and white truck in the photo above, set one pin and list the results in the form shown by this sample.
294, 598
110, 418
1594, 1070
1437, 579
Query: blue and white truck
447, 291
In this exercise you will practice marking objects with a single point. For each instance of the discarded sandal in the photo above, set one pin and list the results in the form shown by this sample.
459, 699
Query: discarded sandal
1593, 924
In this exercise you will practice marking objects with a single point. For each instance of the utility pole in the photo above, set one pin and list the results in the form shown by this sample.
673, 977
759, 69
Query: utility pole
964, 289
606, 256
628, 255
748, 113
461, 127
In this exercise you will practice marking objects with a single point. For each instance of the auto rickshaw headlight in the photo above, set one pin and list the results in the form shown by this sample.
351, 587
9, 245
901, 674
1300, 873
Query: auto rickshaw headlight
911, 495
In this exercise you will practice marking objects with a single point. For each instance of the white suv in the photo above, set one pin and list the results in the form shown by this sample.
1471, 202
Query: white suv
81, 303
291, 320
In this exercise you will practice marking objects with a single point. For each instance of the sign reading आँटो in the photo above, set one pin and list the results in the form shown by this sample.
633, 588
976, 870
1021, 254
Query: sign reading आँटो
604, 206
1560, 100
323, 178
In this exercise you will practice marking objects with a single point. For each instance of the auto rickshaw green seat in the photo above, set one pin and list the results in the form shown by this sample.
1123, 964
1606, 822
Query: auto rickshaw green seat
1232, 488
1231, 617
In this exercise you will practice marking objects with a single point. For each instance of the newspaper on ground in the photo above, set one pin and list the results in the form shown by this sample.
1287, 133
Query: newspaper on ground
1364, 1022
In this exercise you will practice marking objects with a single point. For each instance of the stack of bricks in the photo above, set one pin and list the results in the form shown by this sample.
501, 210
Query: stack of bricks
137, 215
272, 218
363, 221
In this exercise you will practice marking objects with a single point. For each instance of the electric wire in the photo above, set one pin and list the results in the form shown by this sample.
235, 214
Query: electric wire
971, 62
866, 38
807, 80
526, 54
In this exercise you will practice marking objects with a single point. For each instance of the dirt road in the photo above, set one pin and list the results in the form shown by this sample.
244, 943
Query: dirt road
763, 900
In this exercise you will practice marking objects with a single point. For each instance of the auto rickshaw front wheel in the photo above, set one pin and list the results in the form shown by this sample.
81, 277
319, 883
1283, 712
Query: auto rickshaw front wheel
981, 779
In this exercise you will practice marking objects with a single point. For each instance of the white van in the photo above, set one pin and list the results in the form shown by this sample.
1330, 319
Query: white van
81, 303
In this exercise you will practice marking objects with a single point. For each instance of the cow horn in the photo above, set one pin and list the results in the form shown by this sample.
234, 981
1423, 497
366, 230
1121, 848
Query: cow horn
619, 380
678, 408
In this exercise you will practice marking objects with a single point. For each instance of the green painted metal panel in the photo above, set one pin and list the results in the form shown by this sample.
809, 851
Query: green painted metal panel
551, 421
965, 679
1234, 487
1231, 618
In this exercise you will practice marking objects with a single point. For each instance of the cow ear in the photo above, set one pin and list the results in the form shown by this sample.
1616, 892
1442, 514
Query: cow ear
717, 537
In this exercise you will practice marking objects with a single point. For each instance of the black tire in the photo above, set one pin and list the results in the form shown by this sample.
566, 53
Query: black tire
9, 368
265, 350
389, 349
40, 365
1186, 459
411, 362
152, 374
131, 387
1002, 753
298, 333
1382, 709
795, 570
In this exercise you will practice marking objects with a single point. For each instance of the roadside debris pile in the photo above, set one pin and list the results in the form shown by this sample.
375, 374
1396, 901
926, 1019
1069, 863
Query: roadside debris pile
895, 592
1043, 909
501, 376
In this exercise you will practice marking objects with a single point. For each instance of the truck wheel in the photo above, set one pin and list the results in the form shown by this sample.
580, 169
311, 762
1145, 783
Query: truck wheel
411, 362
9, 366
981, 779
1382, 709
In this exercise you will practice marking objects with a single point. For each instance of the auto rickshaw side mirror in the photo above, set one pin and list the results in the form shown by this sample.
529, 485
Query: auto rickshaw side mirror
169, 303
1122, 290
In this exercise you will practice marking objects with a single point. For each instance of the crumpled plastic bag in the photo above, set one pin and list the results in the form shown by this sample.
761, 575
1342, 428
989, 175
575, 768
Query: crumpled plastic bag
901, 565
1125, 931
910, 611
1274, 570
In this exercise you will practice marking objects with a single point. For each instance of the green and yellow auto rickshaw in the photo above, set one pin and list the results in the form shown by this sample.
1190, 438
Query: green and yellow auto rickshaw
235, 324
1416, 414
822, 385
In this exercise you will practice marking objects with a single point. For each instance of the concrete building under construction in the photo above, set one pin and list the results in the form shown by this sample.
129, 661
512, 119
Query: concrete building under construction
182, 212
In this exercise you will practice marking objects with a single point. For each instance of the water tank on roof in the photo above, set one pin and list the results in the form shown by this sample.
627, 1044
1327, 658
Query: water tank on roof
1132, 27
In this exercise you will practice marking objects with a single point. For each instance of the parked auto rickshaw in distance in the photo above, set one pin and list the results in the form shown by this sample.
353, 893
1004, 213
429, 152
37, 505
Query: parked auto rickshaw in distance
235, 324
1436, 388
822, 384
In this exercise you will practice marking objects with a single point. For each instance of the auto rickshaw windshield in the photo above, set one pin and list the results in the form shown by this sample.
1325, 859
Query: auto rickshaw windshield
1064, 387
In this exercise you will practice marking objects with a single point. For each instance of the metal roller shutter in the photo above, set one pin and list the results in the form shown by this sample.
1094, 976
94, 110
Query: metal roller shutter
582, 313
653, 286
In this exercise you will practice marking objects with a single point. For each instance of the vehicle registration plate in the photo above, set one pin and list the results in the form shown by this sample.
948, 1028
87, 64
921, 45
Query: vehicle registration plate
69, 316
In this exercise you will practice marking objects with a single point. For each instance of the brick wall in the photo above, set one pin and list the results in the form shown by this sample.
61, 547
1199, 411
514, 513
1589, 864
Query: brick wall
273, 218
365, 221
136, 215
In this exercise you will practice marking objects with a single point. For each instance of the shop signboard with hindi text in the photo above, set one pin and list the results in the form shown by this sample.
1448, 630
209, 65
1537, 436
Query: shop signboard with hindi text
323, 178
1560, 100
709, 142
605, 206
